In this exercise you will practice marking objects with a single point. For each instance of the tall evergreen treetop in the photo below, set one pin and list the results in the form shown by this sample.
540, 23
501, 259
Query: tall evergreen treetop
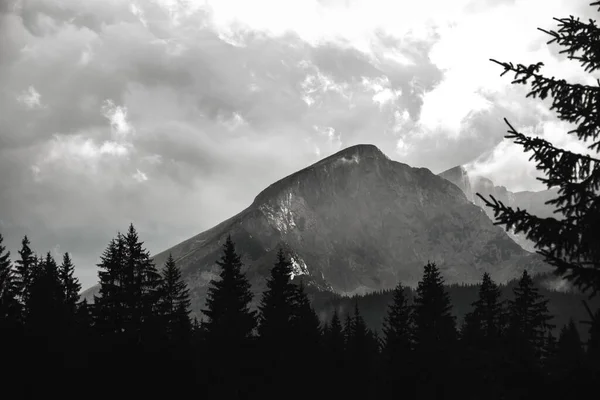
10, 309
305, 322
24, 268
142, 279
528, 319
277, 303
569, 346
7, 284
70, 283
109, 307
175, 299
483, 326
229, 318
570, 242
397, 329
434, 324
334, 338
45, 303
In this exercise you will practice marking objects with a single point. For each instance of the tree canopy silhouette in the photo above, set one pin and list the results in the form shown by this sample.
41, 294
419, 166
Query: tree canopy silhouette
570, 242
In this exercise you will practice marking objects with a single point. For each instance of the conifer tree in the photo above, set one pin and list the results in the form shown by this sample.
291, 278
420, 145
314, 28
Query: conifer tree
397, 330
571, 241
569, 349
334, 341
277, 305
109, 309
23, 269
84, 318
10, 309
45, 303
483, 326
175, 302
528, 322
306, 340
565, 363
230, 322
306, 325
593, 343
361, 350
142, 284
434, 324
5, 267
434, 335
70, 284
347, 331
397, 343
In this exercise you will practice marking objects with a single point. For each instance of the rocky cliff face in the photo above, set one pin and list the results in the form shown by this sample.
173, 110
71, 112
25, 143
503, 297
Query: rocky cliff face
357, 222
534, 202
460, 177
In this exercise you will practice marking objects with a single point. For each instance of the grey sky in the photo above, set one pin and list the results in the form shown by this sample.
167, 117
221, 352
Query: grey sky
173, 115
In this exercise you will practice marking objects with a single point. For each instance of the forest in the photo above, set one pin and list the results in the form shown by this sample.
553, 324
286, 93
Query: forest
138, 336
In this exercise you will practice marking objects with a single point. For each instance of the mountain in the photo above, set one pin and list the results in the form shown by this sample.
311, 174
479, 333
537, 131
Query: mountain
534, 202
357, 222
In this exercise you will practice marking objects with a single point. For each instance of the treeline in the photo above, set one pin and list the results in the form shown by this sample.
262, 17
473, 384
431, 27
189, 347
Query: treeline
137, 336
563, 305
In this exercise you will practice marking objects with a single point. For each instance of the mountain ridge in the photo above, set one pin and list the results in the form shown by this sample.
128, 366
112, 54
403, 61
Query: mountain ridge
532, 201
356, 222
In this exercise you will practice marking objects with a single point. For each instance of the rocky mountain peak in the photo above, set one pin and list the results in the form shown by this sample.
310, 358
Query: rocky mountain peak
361, 156
353, 223
460, 177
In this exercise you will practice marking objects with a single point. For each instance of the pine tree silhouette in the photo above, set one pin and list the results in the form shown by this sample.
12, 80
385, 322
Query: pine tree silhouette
175, 302
569, 348
276, 329
277, 305
45, 323
483, 327
10, 309
306, 340
229, 327
142, 286
397, 331
397, 342
11, 328
526, 336
528, 321
110, 309
334, 342
361, 350
570, 242
70, 284
435, 326
229, 318
565, 364
435, 335
23, 269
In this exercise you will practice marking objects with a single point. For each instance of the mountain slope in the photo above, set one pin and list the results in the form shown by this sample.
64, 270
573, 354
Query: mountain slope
534, 202
357, 222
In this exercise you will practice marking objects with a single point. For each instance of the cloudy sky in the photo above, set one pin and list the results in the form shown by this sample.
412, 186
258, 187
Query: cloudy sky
174, 114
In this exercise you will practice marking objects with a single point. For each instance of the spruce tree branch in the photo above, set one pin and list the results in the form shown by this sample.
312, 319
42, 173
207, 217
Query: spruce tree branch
577, 175
574, 103
577, 36
554, 241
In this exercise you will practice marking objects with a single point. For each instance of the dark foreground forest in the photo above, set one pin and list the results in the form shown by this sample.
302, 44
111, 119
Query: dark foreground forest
137, 336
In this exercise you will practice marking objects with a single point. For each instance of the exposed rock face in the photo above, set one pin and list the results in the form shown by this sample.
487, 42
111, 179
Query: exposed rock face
533, 202
460, 177
357, 222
